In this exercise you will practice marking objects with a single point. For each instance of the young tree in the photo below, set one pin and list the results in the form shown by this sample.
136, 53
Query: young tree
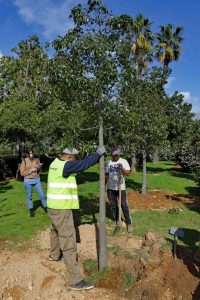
145, 120
90, 46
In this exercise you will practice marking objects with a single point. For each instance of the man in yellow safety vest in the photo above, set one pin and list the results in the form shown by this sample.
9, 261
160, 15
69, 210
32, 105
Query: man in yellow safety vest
62, 197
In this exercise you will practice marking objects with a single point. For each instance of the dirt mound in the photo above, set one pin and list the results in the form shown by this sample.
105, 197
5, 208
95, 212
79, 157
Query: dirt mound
169, 280
161, 200
138, 269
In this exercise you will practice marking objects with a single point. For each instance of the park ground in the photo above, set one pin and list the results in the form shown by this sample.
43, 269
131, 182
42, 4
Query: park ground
141, 265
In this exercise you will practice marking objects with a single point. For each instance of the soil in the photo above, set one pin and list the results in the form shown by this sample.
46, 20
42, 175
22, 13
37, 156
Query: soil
140, 268
161, 200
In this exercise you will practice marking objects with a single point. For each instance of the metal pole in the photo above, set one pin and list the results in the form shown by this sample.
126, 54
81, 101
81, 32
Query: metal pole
102, 206
144, 175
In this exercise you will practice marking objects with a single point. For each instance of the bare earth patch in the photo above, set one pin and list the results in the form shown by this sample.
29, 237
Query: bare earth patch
27, 274
161, 200
140, 268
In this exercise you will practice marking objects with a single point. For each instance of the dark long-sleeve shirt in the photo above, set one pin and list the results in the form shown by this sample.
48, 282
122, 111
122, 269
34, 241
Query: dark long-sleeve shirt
76, 166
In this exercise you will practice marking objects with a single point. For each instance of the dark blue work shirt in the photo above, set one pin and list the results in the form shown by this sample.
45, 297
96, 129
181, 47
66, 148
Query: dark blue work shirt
75, 166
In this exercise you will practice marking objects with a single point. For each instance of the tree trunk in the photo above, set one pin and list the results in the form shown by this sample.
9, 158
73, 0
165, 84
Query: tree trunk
155, 156
133, 162
102, 207
144, 174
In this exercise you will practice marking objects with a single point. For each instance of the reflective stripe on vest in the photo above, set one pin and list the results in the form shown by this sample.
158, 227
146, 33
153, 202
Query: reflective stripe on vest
61, 197
61, 192
62, 185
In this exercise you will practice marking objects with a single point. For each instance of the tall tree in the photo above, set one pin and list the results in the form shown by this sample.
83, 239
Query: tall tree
135, 41
90, 45
142, 42
168, 46
167, 49
179, 120
144, 117
24, 90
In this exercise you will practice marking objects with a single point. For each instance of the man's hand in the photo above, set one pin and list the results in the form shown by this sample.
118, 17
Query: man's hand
101, 150
119, 166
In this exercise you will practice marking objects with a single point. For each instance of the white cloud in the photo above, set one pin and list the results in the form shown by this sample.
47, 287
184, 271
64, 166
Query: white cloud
195, 101
188, 97
1, 54
52, 15
169, 82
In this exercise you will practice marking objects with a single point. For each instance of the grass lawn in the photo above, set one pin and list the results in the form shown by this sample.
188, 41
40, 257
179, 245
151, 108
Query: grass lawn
16, 225
165, 176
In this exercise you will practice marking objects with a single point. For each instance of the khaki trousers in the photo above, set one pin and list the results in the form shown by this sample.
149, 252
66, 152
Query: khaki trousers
63, 238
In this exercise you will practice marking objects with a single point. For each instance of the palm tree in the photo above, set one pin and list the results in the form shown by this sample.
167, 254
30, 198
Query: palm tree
143, 41
167, 50
168, 47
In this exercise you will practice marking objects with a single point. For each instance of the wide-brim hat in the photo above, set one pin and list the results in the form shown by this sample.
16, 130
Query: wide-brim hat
70, 151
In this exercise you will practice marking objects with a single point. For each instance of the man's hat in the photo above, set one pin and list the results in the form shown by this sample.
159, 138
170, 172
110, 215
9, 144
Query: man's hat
70, 151
115, 151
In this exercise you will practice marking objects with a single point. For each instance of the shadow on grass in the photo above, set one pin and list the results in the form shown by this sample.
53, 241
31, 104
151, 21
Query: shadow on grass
191, 201
87, 176
175, 170
5, 186
5, 215
4, 211
193, 190
169, 163
182, 175
130, 183
36, 204
89, 207
156, 170
43, 177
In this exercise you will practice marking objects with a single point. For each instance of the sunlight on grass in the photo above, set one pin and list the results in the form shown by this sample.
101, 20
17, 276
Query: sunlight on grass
164, 176
16, 226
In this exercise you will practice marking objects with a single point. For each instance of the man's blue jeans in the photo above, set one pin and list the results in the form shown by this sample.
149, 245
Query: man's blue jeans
28, 185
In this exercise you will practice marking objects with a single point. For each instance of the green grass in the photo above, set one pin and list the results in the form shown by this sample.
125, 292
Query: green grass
161, 222
128, 280
15, 223
164, 176
16, 226
91, 268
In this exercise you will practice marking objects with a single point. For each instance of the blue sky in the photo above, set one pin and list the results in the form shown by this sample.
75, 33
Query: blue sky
49, 18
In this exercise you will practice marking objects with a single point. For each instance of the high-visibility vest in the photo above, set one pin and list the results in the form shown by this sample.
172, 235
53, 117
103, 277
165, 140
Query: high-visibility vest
61, 192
